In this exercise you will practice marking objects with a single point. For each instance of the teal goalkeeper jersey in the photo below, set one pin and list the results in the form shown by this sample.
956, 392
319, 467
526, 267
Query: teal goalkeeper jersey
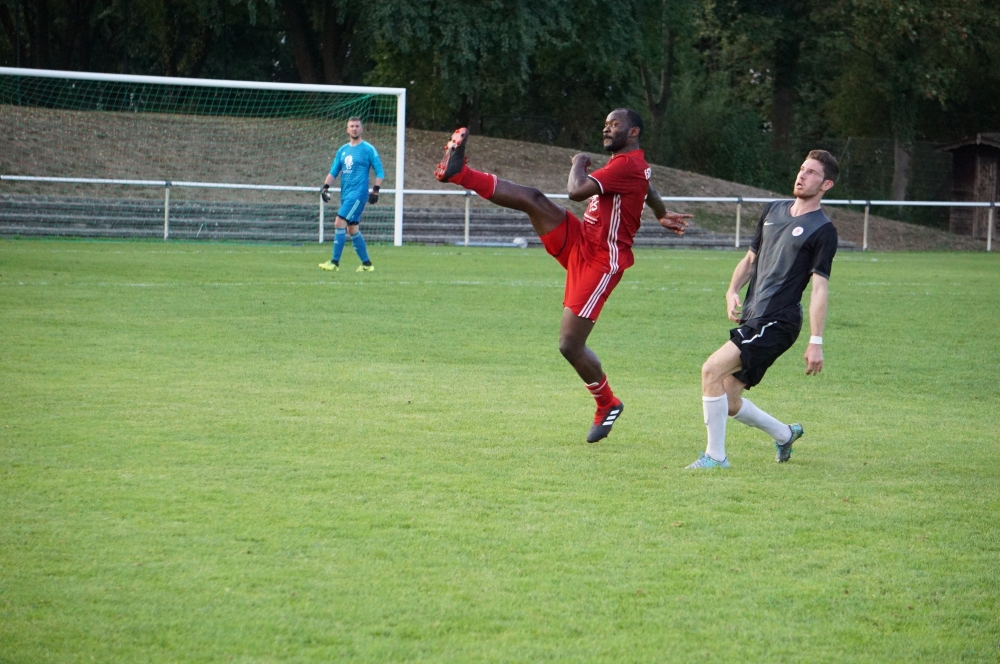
352, 163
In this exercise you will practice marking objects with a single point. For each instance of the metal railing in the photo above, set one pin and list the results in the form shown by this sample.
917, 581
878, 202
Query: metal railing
398, 229
740, 200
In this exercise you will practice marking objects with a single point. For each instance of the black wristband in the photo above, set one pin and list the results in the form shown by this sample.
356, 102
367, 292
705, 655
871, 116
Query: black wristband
375, 189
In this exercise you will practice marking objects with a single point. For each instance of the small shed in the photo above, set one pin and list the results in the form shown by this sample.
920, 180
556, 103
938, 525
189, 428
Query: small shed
975, 177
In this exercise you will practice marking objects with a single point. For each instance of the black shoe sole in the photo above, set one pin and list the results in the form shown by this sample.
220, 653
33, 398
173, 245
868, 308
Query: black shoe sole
454, 156
600, 431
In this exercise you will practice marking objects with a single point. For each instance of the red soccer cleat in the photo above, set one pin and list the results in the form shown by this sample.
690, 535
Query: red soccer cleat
453, 163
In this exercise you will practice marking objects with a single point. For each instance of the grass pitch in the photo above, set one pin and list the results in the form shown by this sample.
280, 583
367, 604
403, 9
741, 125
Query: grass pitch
221, 453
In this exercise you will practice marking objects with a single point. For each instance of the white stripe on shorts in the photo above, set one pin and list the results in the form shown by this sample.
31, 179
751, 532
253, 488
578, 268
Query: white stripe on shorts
595, 297
616, 220
759, 334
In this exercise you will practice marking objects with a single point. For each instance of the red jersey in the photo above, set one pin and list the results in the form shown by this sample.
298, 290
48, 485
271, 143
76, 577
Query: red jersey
612, 217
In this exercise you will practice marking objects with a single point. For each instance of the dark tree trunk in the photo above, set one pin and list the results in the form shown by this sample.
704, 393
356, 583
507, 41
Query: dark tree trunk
657, 87
336, 45
86, 49
904, 120
901, 171
11, 23
7, 23
303, 48
199, 52
786, 64
79, 21
40, 41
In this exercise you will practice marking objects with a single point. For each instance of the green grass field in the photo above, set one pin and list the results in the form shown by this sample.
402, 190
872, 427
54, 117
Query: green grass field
221, 453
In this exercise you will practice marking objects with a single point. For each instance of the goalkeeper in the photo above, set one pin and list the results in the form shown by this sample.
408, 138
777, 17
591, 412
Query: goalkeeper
352, 163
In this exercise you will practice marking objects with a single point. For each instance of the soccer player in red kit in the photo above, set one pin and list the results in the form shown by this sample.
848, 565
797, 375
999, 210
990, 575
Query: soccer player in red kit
595, 251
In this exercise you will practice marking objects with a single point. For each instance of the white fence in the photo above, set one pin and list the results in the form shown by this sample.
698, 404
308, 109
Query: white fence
398, 220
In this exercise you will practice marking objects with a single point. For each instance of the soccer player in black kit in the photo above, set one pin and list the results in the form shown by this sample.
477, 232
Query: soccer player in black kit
795, 242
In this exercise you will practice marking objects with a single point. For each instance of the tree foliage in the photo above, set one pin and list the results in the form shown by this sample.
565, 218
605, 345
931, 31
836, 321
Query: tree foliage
734, 88
908, 54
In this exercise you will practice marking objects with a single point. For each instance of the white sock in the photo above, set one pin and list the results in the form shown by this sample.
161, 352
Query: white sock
753, 416
716, 411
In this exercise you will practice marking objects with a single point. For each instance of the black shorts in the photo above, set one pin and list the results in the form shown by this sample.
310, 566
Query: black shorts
761, 341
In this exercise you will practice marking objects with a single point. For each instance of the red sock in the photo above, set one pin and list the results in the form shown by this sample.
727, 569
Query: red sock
483, 184
602, 393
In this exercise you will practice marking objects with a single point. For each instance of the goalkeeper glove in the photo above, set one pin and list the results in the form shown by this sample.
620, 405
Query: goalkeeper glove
325, 193
373, 197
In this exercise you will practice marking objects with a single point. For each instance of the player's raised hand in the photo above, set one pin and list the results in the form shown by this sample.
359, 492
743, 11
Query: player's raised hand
373, 197
581, 159
675, 221
324, 193
814, 359
733, 306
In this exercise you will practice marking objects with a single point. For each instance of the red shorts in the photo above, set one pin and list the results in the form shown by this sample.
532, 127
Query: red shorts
587, 289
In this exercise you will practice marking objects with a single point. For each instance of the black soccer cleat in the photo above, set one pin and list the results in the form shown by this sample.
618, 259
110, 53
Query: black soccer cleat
603, 421
454, 156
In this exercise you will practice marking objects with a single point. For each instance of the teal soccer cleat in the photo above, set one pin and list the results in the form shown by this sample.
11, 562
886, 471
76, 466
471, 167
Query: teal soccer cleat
785, 451
705, 461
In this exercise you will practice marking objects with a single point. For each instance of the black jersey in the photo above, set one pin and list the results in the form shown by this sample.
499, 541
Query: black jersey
789, 250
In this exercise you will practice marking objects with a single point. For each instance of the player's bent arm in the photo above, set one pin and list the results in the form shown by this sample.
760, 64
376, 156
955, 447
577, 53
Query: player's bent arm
674, 222
817, 321
579, 185
741, 275
654, 201
329, 180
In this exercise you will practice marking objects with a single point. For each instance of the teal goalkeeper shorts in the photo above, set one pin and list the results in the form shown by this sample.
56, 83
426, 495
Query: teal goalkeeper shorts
351, 209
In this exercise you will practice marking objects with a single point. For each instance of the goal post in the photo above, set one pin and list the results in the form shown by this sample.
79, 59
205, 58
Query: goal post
123, 155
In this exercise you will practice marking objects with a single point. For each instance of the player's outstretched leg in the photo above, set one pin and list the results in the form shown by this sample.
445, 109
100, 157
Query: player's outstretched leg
784, 434
573, 334
545, 215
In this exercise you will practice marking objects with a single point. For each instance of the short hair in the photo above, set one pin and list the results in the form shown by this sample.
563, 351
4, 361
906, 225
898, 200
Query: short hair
634, 119
354, 118
831, 169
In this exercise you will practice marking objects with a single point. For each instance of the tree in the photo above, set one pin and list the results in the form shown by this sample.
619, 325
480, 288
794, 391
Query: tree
329, 39
158, 37
910, 53
460, 58
660, 24
769, 35
48, 32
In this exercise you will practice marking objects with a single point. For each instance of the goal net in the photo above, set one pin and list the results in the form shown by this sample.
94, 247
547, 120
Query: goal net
136, 156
